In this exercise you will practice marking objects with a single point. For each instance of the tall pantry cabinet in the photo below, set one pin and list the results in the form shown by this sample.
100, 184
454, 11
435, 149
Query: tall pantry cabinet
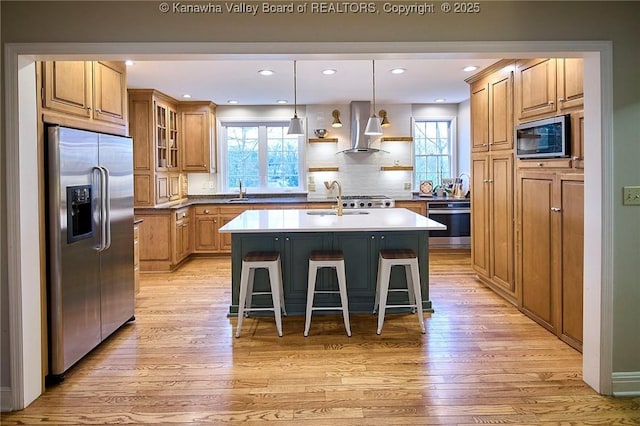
527, 214
492, 176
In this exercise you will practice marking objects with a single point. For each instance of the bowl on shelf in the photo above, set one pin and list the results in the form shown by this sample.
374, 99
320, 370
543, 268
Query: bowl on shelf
321, 133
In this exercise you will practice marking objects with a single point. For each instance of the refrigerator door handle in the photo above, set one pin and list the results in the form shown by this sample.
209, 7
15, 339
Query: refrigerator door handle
107, 206
103, 208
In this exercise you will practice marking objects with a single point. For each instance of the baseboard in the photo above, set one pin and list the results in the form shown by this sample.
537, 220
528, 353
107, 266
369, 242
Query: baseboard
626, 383
6, 400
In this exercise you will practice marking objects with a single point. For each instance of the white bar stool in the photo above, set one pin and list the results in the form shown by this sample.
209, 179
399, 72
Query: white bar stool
408, 259
327, 259
269, 260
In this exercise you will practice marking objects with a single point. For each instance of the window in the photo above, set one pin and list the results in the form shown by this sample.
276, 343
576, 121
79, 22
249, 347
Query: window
262, 155
433, 150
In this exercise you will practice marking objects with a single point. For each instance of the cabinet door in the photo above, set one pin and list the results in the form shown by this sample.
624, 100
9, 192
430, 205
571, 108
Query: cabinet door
174, 186
419, 207
206, 229
479, 116
183, 240
501, 111
501, 222
570, 84
536, 88
571, 188
196, 140
225, 216
109, 91
155, 233
67, 87
166, 136
536, 269
480, 213
162, 188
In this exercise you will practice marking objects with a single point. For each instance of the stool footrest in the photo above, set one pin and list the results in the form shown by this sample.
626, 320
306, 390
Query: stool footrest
327, 308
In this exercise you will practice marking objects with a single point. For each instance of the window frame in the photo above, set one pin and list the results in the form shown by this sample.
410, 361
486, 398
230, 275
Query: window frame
262, 124
453, 144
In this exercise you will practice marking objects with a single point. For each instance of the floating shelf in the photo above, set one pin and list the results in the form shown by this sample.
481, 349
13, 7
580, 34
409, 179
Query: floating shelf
317, 140
390, 168
396, 139
324, 169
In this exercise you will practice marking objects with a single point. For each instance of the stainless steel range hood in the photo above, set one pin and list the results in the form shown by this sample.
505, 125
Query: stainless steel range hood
360, 113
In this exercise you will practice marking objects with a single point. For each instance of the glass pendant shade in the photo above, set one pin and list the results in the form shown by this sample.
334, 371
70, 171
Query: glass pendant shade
374, 128
295, 126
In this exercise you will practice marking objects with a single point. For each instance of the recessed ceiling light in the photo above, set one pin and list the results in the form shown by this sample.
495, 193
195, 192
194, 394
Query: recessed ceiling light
329, 71
282, 101
470, 68
186, 96
398, 71
128, 62
266, 72
232, 101
439, 100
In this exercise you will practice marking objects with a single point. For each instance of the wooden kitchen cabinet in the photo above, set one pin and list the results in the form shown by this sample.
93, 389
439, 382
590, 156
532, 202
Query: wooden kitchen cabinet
85, 94
153, 124
419, 207
492, 108
492, 215
136, 257
492, 175
546, 87
198, 136
208, 220
550, 251
165, 238
182, 238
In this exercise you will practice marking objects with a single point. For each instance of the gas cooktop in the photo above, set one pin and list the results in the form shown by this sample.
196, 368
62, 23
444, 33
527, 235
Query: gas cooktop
367, 202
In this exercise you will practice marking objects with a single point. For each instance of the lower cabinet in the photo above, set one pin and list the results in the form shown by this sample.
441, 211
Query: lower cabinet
209, 219
419, 207
164, 238
550, 208
136, 256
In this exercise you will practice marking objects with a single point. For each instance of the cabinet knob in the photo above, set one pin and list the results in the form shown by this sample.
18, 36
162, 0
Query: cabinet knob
575, 158
550, 103
286, 239
555, 209
206, 211
373, 237
540, 164
88, 108
382, 237
560, 99
277, 239
98, 110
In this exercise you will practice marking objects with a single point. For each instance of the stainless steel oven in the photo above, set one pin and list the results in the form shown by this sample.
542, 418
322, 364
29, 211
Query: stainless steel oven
457, 216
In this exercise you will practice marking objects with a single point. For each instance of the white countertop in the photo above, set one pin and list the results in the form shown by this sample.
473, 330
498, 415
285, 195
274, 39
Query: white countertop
390, 219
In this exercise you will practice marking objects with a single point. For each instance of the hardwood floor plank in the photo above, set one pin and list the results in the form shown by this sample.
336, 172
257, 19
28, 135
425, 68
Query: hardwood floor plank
480, 362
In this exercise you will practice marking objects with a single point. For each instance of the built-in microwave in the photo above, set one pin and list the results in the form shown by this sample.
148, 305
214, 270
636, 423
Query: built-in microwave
548, 138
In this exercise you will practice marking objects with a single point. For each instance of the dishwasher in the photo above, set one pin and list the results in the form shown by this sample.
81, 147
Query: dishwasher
456, 215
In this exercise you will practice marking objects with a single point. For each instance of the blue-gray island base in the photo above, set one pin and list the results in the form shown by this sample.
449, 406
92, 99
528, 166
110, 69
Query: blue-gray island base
296, 233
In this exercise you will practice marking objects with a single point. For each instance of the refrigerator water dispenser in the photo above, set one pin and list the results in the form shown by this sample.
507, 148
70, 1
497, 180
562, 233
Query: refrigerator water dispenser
79, 217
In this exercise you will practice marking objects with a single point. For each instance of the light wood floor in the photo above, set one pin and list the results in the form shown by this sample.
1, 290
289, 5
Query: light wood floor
481, 361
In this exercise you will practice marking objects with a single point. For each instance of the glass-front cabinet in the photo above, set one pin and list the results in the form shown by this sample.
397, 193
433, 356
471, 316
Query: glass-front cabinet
166, 121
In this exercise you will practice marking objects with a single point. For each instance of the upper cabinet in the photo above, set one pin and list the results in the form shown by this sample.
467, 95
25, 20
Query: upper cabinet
198, 136
85, 94
548, 87
492, 108
154, 126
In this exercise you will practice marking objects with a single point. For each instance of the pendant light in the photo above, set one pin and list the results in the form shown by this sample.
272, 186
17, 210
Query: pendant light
295, 125
374, 126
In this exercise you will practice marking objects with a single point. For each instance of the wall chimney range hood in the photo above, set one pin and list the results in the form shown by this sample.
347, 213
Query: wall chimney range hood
360, 143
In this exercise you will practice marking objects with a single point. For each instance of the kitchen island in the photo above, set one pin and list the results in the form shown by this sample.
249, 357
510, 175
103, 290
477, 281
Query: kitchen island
360, 234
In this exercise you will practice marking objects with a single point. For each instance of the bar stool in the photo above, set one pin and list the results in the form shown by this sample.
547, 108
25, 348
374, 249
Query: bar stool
327, 259
386, 260
269, 260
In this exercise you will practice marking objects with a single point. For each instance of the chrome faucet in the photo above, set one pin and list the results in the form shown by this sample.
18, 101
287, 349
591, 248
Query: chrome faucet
329, 186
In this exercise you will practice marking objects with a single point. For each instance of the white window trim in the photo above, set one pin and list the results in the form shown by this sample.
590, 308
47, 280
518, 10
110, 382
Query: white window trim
454, 141
222, 124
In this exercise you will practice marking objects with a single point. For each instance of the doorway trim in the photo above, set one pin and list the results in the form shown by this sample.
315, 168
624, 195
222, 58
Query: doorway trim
25, 324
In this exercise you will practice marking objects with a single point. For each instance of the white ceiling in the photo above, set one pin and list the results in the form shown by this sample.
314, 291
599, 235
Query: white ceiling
222, 80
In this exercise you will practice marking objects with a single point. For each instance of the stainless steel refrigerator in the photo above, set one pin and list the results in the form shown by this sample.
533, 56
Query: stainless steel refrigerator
90, 285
